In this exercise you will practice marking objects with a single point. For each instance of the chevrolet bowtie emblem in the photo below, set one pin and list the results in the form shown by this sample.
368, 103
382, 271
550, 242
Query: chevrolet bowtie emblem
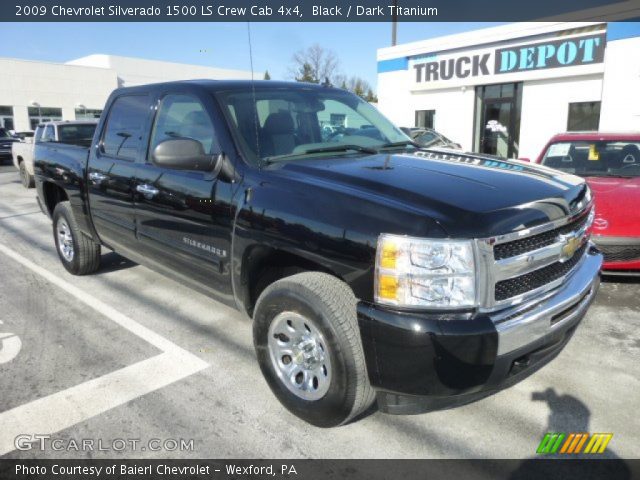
571, 244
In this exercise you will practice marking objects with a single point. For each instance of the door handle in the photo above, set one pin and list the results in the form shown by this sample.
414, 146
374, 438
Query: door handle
97, 177
147, 191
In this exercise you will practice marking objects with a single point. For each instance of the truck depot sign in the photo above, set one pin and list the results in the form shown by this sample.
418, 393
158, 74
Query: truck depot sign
565, 52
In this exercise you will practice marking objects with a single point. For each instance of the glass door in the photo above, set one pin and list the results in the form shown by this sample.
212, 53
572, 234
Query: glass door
497, 124
497, 138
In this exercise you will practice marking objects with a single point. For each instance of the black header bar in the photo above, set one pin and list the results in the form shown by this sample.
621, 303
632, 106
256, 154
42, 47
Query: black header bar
311, 10
532, 468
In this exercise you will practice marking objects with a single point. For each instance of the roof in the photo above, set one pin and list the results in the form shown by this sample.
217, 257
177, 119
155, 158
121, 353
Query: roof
221, 85
71, 122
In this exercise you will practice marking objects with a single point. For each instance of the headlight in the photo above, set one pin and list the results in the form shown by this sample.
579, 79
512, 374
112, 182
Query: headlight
418, 272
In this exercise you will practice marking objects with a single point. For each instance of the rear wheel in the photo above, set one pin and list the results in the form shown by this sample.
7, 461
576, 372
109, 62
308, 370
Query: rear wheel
25, 177
308, 345
77, 252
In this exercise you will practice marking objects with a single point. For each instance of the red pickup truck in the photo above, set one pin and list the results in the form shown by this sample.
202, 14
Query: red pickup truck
610, 163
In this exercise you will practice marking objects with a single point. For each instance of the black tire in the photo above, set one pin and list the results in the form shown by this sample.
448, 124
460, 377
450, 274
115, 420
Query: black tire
85, 256
330, 304
26, 179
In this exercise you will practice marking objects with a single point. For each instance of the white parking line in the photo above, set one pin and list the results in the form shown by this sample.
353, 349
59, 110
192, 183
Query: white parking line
63, 409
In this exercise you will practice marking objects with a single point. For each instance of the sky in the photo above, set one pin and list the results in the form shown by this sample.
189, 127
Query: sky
223, 45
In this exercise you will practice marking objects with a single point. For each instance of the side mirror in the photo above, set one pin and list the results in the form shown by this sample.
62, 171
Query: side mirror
183, 154
528, 160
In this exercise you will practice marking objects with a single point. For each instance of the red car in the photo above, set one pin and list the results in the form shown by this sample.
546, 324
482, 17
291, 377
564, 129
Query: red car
611, 165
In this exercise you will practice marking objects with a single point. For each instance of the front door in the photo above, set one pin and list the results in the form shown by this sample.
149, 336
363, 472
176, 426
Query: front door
498, 119
112, 168
183, 217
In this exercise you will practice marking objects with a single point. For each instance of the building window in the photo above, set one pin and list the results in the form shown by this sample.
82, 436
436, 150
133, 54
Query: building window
87, 114
583, 116
38, 115
425, 118
6, 117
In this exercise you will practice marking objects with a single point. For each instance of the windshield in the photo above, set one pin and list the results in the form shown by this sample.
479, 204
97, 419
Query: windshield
595, 158
278, 124
4, 133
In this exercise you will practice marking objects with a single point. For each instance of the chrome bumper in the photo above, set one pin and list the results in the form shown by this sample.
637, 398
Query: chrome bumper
523, 324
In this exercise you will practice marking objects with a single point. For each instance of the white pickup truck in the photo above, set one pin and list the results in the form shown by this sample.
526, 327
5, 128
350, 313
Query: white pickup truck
68, 132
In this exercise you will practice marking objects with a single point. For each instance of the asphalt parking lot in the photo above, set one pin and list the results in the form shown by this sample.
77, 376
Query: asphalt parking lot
129, 354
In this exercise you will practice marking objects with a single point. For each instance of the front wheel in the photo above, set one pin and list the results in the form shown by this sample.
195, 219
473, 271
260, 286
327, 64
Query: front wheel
77, 252
25, 177
308, 345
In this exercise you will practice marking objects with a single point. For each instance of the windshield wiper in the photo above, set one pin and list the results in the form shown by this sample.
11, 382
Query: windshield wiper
332, 148
404, 143
342, 148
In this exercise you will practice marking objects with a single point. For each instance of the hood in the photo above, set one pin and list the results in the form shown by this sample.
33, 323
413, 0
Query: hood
616, 200
468, 195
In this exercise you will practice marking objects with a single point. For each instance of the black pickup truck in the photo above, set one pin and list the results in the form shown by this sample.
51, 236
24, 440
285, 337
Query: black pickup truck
373, 269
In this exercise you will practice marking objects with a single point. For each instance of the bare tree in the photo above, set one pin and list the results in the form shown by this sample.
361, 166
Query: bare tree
357, 85
315, 64
319, 65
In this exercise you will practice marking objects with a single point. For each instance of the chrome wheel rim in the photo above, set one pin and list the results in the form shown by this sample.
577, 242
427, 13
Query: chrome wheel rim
65, 240
299, 355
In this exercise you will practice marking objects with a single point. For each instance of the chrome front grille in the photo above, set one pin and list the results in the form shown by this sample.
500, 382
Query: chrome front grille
513, 287
534, 242
521, 265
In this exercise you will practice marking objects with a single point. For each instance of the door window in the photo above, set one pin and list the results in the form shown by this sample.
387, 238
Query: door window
183, 116
49, 134
38, 134
125, 127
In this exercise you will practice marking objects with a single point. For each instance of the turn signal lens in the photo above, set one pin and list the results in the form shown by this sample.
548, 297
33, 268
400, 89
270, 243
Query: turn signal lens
387, 287
388, 255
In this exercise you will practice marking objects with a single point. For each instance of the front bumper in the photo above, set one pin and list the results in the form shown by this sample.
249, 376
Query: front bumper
621, 254
429, 361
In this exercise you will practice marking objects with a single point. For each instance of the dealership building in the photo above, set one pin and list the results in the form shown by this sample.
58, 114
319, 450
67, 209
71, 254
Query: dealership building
506, 90
32, 92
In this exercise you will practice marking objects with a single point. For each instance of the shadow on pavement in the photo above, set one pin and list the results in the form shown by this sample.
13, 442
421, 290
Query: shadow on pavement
568, 414
112, 262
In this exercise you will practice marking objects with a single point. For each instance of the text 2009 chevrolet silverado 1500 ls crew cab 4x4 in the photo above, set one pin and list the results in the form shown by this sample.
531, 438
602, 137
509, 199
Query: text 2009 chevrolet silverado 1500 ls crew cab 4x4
372, 269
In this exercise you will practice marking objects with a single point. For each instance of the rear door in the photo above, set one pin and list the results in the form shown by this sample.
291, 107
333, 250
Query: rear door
183, 217
112, 166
